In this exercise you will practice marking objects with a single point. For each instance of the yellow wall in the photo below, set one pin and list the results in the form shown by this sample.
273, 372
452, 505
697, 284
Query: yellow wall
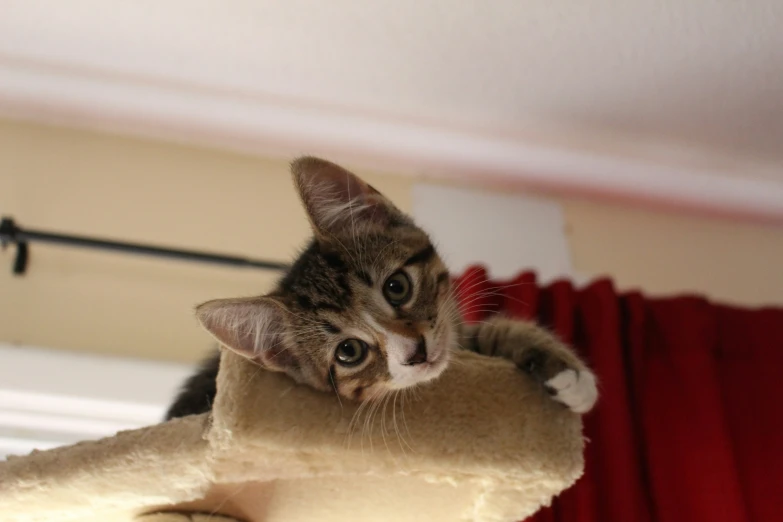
96, 184
107, 186
663, 254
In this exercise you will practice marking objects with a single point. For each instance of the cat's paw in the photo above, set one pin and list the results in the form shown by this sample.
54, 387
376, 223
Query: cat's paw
576, 389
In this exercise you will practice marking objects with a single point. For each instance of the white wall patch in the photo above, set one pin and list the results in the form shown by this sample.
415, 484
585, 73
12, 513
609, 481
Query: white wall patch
507, 233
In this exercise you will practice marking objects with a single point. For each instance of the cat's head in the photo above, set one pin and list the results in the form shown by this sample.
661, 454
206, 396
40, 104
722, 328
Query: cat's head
366, 308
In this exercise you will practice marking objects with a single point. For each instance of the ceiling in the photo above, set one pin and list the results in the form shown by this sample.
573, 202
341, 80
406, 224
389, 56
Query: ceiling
659, 100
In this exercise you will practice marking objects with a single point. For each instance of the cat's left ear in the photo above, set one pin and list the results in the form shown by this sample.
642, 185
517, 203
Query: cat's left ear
338, 201
257, 328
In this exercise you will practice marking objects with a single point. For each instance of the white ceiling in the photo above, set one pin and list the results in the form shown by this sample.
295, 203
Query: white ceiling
631, 97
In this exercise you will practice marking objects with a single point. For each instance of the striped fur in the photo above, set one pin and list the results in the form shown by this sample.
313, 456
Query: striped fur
342, 287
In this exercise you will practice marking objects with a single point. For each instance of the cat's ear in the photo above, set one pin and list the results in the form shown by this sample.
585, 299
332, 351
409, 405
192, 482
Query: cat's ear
338, 201
254, 327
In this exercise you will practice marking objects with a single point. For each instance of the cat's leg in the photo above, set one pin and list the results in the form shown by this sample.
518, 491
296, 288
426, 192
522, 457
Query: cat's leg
539, 354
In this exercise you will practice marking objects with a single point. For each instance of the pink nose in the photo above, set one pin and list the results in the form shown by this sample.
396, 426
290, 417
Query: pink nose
420, 355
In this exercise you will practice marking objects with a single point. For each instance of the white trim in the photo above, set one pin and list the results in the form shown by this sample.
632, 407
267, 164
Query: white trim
241, 121
52, 422
75, 405
22, 446
53, 397
101, 383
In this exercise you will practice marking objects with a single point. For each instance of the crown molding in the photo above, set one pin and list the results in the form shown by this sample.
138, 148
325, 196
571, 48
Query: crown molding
222, 118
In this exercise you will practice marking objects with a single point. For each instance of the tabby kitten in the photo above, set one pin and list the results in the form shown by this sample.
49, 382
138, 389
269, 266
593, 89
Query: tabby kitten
367, 307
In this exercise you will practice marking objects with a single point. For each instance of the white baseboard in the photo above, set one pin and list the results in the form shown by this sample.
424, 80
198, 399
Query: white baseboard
52, 397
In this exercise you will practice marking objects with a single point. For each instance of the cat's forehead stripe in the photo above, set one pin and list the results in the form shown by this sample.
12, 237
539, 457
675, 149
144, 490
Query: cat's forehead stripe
364, 277
306, 302
422, 256
330, 327
318, 281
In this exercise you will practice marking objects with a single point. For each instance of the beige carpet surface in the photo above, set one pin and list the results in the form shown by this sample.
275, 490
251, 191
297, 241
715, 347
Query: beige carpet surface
483, 443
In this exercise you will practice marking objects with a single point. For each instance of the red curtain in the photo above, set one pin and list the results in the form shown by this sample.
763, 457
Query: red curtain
689, 426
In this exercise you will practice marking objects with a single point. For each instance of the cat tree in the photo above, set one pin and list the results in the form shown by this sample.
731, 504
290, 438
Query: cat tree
482, 443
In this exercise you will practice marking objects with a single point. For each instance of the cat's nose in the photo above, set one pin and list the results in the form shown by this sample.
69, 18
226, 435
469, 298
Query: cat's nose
420, 355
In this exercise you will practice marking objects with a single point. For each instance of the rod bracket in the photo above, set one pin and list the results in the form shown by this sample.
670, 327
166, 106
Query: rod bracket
9, 234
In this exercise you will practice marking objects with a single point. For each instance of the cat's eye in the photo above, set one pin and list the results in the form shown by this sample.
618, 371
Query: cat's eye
351, 352
397, 288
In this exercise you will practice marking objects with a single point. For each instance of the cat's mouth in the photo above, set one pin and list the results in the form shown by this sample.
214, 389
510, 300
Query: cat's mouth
436, 362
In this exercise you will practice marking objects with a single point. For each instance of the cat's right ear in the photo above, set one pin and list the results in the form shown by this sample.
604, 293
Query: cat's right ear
337, 201
254, 327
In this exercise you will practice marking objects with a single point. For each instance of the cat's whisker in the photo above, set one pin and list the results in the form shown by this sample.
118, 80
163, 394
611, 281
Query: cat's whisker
379, 412
467, 290
402, 412
500, 294
374, 416
481, 311
474, 284
482, 296
334, 386
366, 426
471, 302
372, 400
383, 422
492, 292
400, 436
492, 287
481, 306
394, 421
354, 424
366, 423
475, 303
495, 286
476, 297
417, 394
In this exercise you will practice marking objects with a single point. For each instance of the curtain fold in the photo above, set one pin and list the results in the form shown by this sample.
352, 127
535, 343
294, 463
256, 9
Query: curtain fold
689, 426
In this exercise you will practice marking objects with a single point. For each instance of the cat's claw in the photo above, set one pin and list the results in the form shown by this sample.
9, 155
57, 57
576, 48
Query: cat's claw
577, 390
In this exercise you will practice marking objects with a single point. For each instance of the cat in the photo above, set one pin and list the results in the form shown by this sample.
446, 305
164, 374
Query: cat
368, 307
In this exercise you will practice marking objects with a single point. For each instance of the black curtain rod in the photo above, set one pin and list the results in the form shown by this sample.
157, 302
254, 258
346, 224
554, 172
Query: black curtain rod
10, 232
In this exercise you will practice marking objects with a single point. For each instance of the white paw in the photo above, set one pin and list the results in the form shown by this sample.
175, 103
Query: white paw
577, 390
